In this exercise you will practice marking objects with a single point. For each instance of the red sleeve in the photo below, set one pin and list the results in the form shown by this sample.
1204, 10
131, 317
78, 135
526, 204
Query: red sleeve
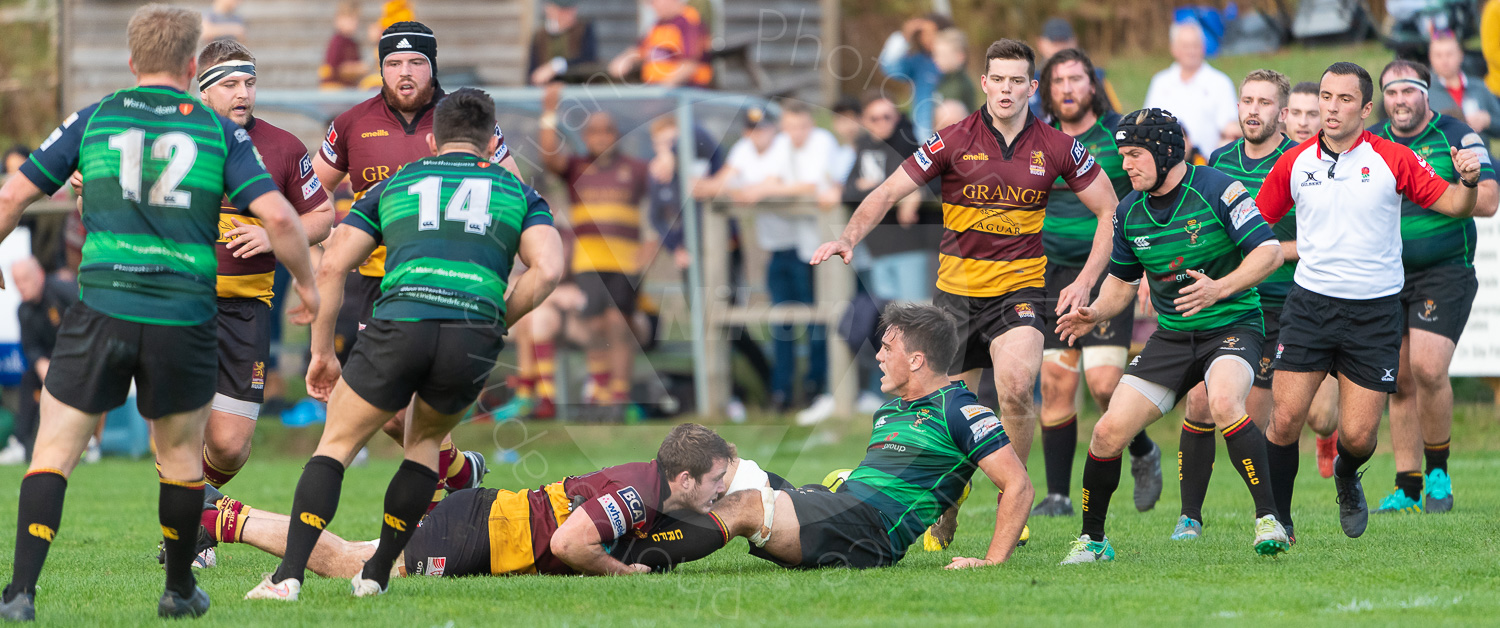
1275, 198
1415, 178
931, 158
1078, 167
335, 149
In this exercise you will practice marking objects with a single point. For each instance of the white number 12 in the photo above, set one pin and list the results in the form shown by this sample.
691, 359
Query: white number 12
175, 148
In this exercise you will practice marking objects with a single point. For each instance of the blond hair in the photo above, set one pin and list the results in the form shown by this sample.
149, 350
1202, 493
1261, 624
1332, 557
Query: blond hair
1280, 81
163, 38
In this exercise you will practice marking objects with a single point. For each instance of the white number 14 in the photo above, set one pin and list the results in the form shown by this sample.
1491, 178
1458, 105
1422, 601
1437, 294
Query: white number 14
470, 203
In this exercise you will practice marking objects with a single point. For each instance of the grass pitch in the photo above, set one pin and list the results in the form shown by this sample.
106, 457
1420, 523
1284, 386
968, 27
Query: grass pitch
1440, 569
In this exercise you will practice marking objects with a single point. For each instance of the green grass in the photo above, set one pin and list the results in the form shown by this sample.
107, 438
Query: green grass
1437, 569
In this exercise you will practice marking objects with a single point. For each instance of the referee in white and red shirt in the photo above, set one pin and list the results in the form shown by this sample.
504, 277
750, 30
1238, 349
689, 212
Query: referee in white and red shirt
1344, 315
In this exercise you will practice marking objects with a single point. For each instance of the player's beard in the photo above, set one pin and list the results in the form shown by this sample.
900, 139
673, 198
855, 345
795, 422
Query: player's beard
1081, 110
419, 98
1257, 135
1414, 123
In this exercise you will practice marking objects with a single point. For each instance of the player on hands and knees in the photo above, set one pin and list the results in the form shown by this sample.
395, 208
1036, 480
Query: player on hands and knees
452, 225
1262, 108
154, 166
997, 167
1343, 315
1072, 97
226, 83
1195, 235
1437, 253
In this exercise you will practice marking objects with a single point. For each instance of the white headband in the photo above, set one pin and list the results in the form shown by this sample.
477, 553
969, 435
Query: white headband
228, 69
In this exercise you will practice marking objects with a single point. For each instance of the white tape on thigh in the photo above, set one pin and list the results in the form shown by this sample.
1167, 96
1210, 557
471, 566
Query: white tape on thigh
1249, 369
1164, 398
230, 405
768, 504
1094, 357
1066, 358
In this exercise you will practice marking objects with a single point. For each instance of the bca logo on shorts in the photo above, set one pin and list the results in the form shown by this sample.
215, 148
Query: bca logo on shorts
436, 565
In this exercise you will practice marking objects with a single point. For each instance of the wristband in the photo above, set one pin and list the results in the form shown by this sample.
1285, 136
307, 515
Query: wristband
1467, 184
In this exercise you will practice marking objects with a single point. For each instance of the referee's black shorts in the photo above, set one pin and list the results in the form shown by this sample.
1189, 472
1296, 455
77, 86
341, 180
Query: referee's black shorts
1359, 339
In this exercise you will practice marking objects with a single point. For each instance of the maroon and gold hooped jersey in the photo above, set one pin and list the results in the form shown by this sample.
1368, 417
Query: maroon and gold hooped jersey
995, 200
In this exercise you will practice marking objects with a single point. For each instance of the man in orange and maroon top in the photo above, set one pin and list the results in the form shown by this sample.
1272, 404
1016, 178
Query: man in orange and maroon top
247, 269
605, 190
673, 53
367, 144
997, 167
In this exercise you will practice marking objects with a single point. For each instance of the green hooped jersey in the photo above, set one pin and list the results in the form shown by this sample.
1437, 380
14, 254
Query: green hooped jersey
921, 455
1428, 238
1208, 223
1231, 160
1068, 231
451, 226
155, 164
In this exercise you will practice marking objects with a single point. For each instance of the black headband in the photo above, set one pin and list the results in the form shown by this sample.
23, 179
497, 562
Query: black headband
209, 77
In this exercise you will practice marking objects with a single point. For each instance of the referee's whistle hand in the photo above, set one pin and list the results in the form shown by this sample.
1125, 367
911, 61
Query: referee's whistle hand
830, 249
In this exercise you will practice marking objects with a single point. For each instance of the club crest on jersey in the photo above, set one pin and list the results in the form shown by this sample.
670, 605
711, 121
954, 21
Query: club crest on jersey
1265, 367
1024, 310
1192, 229
1232, 342
934, 143
185, 108
1038, 163
1364, 174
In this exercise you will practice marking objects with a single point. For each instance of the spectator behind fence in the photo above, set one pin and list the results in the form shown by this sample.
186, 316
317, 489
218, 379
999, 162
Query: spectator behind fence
1058, 35
1456, 94
223, 21
950, 53
342, 68
907, 55
846, 130
563, 41
1202, 98
605, 191
900, 259
673, 53
811, 153
44, 301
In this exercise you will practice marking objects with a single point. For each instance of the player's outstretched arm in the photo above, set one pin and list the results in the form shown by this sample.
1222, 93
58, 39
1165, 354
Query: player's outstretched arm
870, 212
1006, 471
542, 253
1101, 199
344, 252
17, 194
1206, 291
578, 544
1114, 296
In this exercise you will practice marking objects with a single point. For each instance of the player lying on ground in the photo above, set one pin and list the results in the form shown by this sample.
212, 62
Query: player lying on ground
453, 225
489, 531
924, 448
1201, 227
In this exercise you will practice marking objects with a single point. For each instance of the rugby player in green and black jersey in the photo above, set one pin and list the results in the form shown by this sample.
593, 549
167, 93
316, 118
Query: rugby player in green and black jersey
924, 448
1262, 110
453, 225
1074, 100
154, 164
1196, 236
1438, 255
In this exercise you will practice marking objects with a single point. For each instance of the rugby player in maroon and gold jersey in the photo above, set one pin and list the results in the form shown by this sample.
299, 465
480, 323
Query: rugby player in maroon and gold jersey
560, 528
246, 267
997, 167
367, 144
